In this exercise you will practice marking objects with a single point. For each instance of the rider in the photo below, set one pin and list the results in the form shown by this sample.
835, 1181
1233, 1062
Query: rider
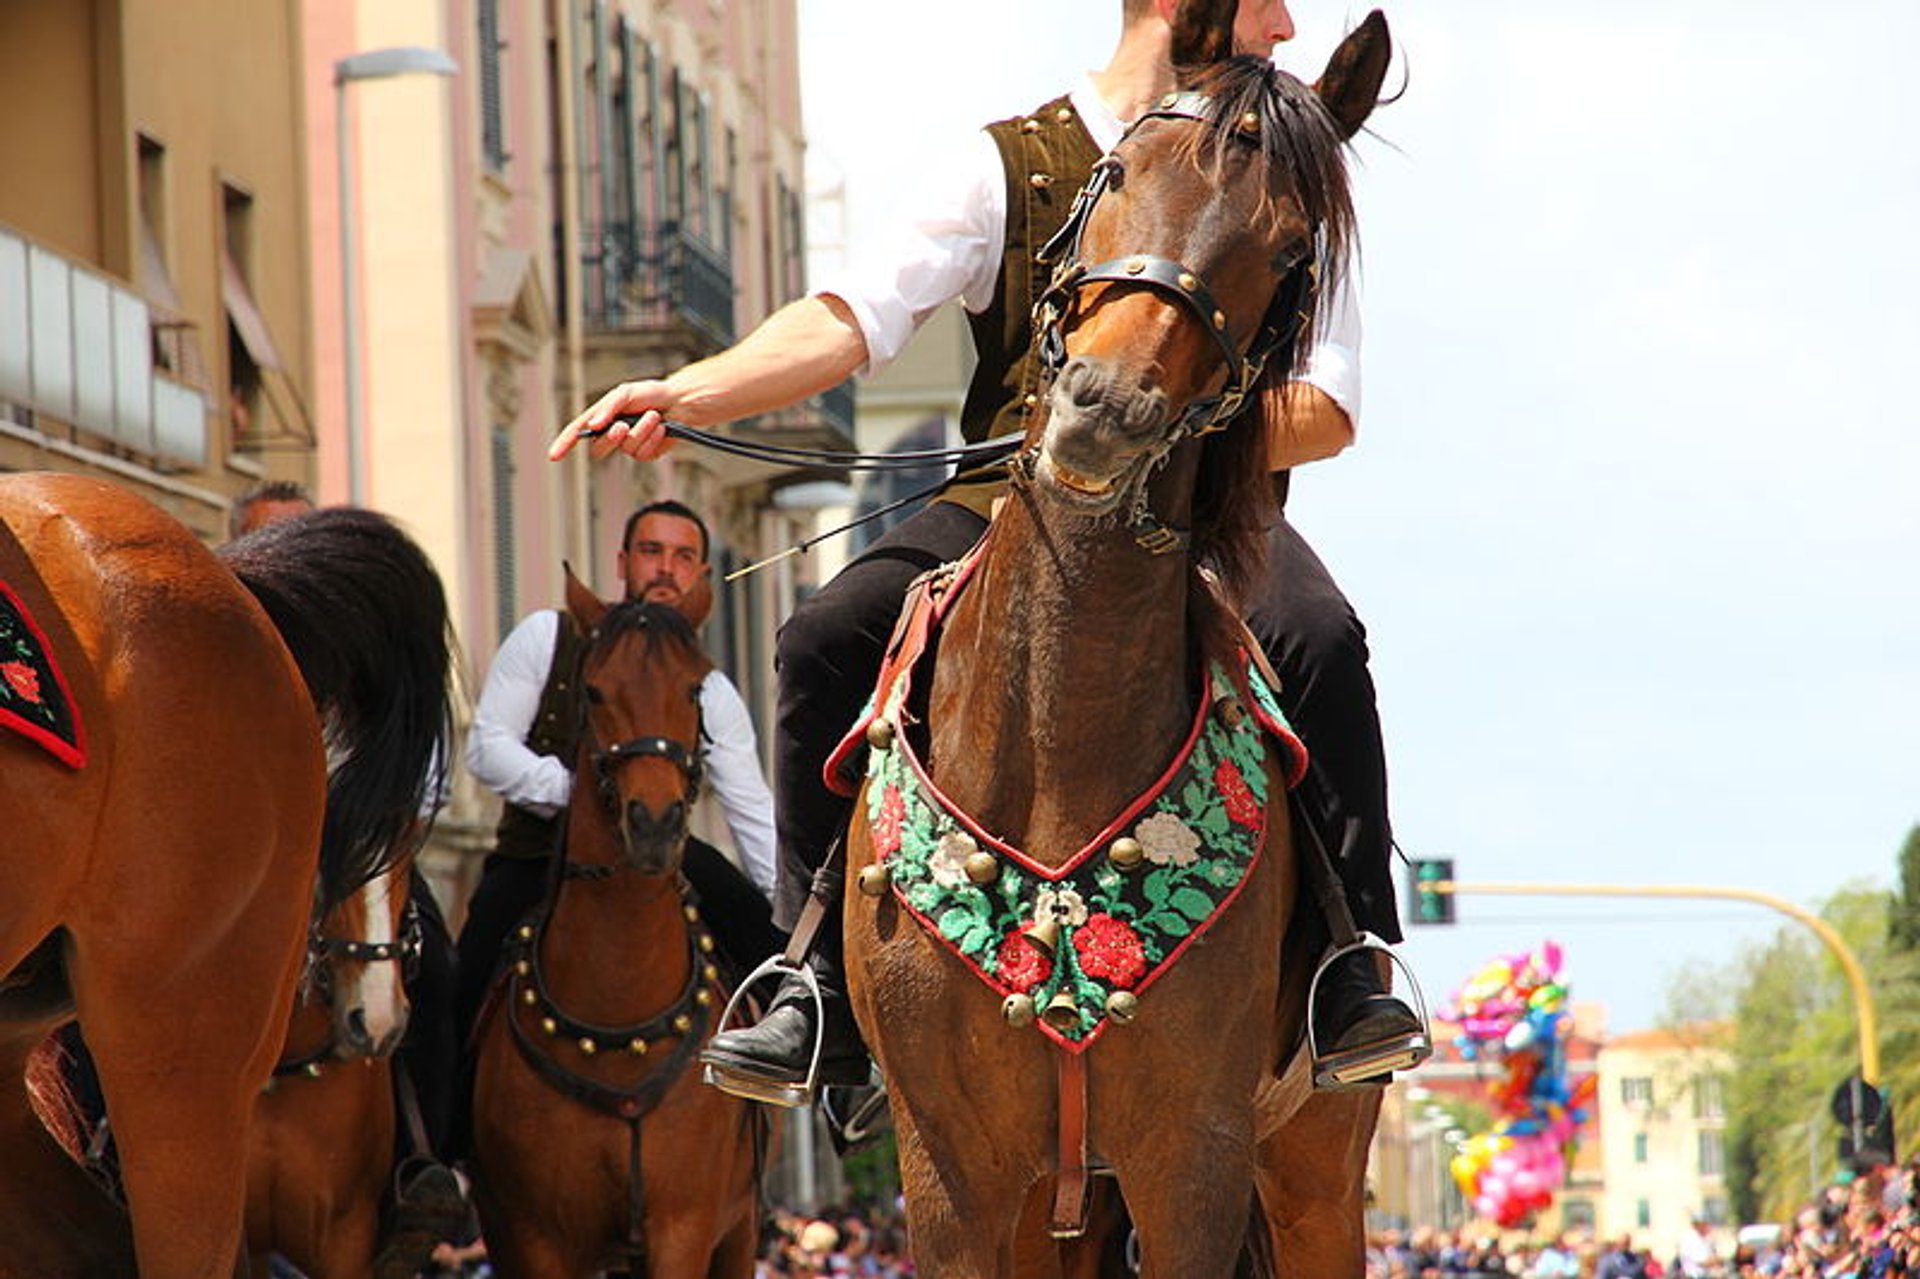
975, 241
522, 743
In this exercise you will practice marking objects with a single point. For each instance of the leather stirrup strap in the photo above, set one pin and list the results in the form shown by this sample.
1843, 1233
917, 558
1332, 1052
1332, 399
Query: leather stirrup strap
1073, 1183
829, 882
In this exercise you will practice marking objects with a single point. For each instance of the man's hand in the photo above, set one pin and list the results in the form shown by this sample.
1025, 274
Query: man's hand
606, 423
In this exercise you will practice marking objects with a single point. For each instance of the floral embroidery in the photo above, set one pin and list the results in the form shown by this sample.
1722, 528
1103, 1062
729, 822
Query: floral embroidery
886, 827
1241, 805
949, 861
24, 679
1021, 965
1062, 905
1168, 840
1110, 951
1117, 927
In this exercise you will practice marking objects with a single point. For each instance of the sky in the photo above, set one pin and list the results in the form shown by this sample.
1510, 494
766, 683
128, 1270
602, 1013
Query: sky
1631, 520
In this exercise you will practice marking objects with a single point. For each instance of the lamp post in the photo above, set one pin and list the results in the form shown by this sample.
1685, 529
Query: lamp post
374, 64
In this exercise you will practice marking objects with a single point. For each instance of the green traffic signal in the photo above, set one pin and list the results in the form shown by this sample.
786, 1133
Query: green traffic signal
1431, 906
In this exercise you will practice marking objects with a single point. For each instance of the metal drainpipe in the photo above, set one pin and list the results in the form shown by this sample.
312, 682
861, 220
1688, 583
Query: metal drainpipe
580, 473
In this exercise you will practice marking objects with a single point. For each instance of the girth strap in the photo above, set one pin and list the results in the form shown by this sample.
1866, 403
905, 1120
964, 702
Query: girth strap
1073, 1181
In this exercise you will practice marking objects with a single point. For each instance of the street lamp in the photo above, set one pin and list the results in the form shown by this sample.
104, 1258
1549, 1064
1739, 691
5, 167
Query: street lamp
374, 64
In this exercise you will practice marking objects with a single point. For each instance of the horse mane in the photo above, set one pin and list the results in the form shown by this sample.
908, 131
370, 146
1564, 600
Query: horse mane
664, 626
330, 577
1233, 496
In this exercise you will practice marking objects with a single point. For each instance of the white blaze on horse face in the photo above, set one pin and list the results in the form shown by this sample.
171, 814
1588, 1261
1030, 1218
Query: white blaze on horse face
375, 989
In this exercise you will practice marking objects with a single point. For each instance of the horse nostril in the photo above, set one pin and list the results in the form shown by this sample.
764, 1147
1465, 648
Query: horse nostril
1081, 382
357, 1027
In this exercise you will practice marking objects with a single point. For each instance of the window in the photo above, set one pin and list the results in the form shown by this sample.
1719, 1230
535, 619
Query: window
1710, 1097
1576, 1213
249, 347
493, 137
1639, 1147
1643, 1213
1637, 1090
1713, 1154
1716, 1210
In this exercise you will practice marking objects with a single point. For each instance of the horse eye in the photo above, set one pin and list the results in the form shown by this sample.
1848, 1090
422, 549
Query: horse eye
594, 694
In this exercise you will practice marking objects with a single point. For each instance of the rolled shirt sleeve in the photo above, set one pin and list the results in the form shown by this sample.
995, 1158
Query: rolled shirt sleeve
733, 772
497, 752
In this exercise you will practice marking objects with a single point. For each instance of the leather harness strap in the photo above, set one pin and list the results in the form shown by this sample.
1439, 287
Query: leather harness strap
1073, 1182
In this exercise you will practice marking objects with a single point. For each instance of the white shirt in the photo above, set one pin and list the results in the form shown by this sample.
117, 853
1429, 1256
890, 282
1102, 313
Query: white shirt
497, 751
952, 250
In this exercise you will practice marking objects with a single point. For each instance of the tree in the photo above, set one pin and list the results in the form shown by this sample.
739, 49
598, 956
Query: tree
1903, 928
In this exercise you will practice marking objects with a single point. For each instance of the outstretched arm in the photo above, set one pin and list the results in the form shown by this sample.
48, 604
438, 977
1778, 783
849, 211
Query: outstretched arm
802, 349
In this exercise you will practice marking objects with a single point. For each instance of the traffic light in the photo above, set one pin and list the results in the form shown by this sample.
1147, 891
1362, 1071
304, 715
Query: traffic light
1866, 1123
1429, 905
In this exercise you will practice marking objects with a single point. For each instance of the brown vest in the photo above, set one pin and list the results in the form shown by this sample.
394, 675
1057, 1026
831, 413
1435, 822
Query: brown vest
1047, 157
555, 732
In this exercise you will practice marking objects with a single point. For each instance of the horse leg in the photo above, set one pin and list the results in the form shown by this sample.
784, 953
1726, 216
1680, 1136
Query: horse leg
1190, 1201
55, 1220
735, 1255
959, 1230
1312, 1173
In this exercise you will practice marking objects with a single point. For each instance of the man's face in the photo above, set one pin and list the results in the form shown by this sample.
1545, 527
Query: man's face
1260, 25
663, 561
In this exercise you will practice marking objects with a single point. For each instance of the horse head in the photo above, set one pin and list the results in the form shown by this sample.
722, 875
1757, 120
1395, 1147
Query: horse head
357, 955
1188, 264
641, 744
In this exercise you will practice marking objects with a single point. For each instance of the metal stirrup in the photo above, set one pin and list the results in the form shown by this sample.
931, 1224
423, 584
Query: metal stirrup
1346, 1069
743, 1083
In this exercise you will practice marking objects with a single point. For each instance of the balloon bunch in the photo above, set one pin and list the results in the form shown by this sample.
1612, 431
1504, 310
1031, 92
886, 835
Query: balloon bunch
1514, 1011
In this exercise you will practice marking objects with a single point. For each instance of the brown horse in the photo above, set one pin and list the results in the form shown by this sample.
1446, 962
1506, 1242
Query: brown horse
595, 1144
323, 1132
160, 891
1031, 852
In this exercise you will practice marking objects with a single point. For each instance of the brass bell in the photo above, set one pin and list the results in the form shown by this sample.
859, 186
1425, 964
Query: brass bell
1018, 1010
549, 1026
1062, 1013
1044, 933
874, 878
1126, 852
588, 1047
982, 867
880, 734
1122, 1007
1230, 711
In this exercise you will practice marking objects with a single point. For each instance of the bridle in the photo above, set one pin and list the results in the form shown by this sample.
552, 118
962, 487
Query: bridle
1276, 333
316, 982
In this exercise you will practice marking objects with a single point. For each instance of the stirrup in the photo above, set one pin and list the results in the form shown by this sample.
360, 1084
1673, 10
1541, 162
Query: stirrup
861, 1125
1360, 1067
738, 1082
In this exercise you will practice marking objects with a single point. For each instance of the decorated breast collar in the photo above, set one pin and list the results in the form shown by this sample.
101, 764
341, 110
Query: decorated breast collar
34, 698
1072, 949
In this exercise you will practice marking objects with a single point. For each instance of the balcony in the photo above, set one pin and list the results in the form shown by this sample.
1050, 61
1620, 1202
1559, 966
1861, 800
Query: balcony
77, 350
655, 297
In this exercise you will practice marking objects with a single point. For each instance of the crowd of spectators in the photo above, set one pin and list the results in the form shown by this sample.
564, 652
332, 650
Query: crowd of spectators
1865, 1228
834, 1243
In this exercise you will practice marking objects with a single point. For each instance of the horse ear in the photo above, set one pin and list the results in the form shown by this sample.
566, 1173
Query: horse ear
1350, 86
1203, 31
586, 607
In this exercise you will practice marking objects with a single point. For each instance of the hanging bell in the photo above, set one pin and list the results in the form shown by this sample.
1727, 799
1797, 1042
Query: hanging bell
1045, 934
1122, 1007
1229, 711
1062, 1013
982, 867
880, 734
1018, 1010
874, 878
1126, 852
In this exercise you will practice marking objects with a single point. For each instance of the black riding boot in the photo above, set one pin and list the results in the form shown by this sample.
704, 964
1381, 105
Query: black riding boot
778, 1052
1362, 1032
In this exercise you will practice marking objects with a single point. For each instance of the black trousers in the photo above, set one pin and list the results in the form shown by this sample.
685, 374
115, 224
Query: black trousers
430, 1050
828, 657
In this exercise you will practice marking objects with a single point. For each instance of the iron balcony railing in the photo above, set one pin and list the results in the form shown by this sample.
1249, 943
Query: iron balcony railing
633, 279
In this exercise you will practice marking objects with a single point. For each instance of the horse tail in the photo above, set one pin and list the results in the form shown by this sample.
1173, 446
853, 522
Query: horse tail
364, 614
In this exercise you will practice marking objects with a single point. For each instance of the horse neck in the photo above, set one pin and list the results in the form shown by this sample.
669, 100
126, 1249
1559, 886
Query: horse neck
635, 959
1060, 689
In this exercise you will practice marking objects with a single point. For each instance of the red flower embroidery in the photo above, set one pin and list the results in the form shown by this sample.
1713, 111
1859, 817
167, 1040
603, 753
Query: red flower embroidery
1242, 808
1021, 964
886, 827
24, 679
1110, 951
